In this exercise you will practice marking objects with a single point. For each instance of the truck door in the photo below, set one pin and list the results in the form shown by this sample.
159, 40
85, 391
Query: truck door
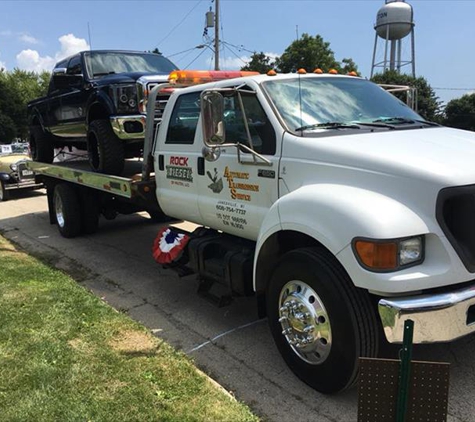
176, 159
73, 102
235, 196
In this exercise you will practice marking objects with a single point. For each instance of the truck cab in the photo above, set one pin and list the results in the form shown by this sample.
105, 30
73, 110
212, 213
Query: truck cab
358, 208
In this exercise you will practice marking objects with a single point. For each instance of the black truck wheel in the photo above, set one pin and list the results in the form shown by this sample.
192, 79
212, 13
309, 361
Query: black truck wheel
4, 194
320, 322
106, 151
41, 145
67, 210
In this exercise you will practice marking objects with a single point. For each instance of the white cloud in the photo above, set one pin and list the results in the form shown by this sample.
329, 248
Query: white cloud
32, 60
28, 39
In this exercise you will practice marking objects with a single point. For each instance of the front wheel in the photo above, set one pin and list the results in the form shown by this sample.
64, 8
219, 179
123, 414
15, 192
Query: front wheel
106, 151
41, 145
320, 322
3, 191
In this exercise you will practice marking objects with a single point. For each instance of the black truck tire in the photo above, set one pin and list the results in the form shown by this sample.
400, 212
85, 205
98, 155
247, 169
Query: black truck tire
4, 194
320, 322
67, 210
41, 145
106, 151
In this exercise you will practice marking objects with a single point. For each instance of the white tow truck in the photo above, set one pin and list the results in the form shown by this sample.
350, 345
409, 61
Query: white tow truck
342, 209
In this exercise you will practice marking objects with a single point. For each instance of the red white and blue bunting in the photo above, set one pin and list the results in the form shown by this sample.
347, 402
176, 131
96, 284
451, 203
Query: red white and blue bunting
169, 245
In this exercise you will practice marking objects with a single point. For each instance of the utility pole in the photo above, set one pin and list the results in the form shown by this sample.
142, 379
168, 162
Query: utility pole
216, 34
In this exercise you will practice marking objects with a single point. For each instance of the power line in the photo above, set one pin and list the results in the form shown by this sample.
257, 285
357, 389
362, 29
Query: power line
455, 89
179, 23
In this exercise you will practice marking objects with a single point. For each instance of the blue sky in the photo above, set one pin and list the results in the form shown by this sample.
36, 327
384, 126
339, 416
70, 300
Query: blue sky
34, 34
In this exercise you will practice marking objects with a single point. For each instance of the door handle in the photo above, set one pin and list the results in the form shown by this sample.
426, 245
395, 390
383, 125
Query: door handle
201, 166
161, 162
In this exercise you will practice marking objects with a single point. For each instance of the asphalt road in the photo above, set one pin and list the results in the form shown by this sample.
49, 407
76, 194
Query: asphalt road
230, 344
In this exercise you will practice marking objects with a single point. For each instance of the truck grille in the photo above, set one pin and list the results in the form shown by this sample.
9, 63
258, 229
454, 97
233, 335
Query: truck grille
161, 102
24, 174
455, 212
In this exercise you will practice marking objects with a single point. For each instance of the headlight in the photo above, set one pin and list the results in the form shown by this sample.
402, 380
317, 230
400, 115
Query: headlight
389, 255
125, 98
14, 167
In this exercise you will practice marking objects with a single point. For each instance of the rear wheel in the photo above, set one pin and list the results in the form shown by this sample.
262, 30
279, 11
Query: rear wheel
41, 145
4, 194
320, 322
106, 151
67, 210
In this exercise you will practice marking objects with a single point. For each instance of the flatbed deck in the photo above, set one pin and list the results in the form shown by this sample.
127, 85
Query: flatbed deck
128, 185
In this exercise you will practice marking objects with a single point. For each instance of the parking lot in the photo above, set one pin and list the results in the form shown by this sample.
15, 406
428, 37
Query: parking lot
230, 344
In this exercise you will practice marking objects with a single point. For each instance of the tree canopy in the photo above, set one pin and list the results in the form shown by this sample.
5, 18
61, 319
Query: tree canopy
308, 52
17, 88
460, 112
428, 104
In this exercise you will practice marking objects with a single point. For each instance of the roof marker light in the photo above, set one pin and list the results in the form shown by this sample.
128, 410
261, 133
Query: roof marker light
271, 72
318, 70
333, 72
301, 71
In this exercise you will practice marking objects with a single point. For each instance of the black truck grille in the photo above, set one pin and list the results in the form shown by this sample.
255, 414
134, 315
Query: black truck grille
455, 211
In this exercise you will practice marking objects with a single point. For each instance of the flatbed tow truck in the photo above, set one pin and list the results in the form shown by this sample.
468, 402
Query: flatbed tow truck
344, 211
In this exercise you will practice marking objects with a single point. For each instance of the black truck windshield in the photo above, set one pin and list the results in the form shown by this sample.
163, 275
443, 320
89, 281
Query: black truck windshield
315, 103
106, 63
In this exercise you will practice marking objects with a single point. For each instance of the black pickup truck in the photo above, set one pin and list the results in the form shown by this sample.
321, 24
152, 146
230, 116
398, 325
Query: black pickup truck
97, 101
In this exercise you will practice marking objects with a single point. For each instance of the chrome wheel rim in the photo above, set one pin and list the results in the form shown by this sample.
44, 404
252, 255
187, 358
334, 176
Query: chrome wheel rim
305, 322
58, 207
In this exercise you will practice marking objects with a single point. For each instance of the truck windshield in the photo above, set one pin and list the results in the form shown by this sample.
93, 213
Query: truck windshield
312, 103
106, 63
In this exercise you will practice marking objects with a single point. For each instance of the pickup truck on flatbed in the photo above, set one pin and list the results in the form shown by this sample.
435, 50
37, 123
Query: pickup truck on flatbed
97, 101
339, 207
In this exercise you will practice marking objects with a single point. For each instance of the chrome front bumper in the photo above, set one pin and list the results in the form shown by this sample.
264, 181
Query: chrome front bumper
437, 318
119, 126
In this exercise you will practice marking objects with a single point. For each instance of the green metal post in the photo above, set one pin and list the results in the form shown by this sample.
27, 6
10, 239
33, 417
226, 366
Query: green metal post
405, 371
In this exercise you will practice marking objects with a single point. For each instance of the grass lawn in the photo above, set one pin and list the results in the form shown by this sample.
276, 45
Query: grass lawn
67, 356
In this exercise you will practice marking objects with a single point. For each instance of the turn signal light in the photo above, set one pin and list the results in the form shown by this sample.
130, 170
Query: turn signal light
377, 255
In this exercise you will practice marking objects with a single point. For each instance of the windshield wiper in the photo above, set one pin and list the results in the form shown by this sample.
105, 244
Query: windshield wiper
404, 120
328, 125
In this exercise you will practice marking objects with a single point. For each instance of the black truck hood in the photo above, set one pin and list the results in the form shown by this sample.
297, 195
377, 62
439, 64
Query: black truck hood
131, 77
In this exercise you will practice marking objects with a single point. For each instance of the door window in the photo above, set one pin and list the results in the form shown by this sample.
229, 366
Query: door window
261, 131
184, 120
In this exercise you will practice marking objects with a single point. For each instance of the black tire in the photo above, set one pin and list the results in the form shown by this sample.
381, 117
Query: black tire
67, 210
4, 194
106, 151
41, 145
90, 210
158, 217
342, 320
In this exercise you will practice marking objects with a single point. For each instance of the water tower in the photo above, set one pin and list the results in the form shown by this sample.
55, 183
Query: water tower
394, 22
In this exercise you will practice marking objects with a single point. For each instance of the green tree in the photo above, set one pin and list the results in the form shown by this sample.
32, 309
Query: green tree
17, 88
428, 104
7, 129
309, 53
259, 62
460, 112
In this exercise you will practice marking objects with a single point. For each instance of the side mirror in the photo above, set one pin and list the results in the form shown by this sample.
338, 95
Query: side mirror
212, 115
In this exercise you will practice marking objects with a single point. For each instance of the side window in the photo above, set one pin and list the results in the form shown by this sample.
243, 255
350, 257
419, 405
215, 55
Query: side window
184, 120
261, 130
74, 66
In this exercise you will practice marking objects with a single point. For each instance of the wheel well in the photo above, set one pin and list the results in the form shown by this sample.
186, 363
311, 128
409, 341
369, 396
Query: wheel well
96, 112
274, 247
